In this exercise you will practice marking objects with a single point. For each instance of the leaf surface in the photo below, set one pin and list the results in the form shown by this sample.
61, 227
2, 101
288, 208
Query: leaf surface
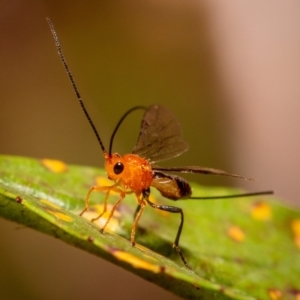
239, 249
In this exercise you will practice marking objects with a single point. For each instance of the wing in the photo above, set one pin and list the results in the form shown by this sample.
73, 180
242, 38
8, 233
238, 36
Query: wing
160, 136
199, 170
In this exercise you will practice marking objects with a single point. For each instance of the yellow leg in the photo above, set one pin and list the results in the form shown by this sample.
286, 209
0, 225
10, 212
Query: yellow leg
122, 195
104, 208
137, 218
98, 188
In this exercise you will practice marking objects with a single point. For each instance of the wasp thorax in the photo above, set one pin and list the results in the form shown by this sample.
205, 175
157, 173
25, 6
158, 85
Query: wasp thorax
132, 171
137, 172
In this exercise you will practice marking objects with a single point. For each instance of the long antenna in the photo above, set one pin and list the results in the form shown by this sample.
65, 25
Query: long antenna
120, 122
233, 196
62, 57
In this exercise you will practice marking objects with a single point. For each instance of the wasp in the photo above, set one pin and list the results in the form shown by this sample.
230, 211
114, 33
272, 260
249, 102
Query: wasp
160, 138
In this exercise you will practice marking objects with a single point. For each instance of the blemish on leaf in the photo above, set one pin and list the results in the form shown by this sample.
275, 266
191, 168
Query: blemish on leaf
295, 225
236, 233
61, 216
103, 181
96, 210
275, 294
55, 166
136, 262
90, 239
295, 292
19, 199
261, 211
196, 286
49, 203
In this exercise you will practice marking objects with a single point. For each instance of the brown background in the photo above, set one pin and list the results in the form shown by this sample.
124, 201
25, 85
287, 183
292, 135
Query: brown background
230, 72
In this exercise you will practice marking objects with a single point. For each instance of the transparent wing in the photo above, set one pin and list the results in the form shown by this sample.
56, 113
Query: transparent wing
199, 170
160, 136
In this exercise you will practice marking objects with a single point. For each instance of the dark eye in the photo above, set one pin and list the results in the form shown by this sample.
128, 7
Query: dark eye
118, 168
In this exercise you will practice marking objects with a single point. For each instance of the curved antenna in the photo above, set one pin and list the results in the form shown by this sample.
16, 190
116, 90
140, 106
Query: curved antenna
120, 122
57, 44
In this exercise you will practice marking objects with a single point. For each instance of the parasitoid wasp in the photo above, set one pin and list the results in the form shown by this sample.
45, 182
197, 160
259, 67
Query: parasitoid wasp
160, 138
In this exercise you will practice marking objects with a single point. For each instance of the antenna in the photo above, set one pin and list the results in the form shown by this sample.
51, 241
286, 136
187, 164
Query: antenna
120, 122
233, 196
62, 57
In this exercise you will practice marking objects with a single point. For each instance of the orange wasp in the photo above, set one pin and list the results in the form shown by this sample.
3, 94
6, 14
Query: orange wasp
160, 138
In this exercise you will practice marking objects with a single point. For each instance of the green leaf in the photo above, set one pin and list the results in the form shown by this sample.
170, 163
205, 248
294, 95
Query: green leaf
239, 249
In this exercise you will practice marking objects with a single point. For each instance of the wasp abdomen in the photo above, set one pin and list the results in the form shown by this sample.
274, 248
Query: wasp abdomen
171, 186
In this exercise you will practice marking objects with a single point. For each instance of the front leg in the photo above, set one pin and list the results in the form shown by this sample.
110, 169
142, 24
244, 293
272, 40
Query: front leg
98, 188
122, 195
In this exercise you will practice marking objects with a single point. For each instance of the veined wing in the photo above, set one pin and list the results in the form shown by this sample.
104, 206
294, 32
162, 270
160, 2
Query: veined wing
160, 136
199, 170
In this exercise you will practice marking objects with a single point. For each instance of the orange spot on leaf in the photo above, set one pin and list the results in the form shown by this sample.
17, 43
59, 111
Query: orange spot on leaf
103, 181
136, 262
295, 225
236, 233
61, 216
275, 294
96, 210
261, 211
49, 203
55, 166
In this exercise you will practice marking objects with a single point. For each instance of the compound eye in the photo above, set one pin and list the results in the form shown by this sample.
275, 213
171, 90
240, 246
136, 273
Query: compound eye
118, 168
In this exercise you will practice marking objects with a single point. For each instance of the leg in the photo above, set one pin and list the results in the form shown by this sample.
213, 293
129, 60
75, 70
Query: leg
98, 188
104, 208
87, 198
138, 208
122, 195
173, 209
137, 215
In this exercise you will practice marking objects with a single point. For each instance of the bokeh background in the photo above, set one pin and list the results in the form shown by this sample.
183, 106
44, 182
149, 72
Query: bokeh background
229, 70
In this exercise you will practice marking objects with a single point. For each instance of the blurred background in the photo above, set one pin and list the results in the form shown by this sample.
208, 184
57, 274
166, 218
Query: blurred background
228, 70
